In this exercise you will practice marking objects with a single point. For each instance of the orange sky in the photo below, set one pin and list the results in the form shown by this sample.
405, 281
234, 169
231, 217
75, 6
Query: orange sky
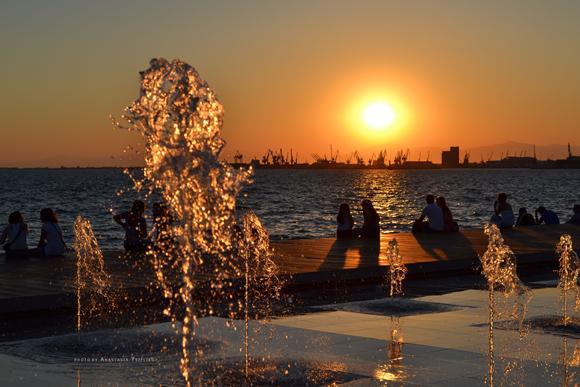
290, 74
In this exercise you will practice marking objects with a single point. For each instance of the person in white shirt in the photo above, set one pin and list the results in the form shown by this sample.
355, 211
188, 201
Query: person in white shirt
51, 242
14, 236
434, 215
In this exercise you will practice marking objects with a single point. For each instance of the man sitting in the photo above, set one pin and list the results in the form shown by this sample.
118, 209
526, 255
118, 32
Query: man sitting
434, 215
546, 216
575, 219
525, 218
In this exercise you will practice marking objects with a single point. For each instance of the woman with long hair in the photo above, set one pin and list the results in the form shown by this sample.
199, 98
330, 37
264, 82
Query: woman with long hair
51, 243
14, 236
344, 222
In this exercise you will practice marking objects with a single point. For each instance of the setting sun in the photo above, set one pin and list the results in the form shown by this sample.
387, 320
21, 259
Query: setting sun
379, 115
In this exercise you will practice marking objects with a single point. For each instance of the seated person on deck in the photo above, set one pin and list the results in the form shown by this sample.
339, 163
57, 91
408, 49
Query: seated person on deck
135, 227
503, 216
371, 227
434, 215
546, 216
344, 222
525, 218
14, 236
448, 223
575, 219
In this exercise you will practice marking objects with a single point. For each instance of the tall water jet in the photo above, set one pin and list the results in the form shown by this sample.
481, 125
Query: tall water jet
262, 286
180, 119
91, 275
397, 269
499, 268
569, 268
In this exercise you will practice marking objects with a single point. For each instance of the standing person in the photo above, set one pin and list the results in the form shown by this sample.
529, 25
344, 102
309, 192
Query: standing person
575, 219
503, 216
51, 243
344, 222
135, 227
448, 223
525, 218
371, 221
14, 236
434, 215
546, 216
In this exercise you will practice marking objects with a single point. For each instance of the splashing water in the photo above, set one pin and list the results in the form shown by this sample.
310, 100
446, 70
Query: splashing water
180, 118
397, 269
499, 269
393, 370
568, 273
91, 276
262, 286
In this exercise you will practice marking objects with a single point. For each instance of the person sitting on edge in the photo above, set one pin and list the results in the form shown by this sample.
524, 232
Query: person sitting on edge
434, 215
525, 218
448, 223
135, 227
371, 221
344, 222
51, 243
575, 219
14, 236
503, 216
546, 216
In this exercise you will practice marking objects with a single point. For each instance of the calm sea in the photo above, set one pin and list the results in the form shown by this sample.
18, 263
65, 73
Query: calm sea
296, 203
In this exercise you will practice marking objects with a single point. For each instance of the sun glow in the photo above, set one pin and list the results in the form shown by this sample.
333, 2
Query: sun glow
379, 115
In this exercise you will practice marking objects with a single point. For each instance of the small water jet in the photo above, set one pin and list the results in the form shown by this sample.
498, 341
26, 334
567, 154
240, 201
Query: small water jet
397, 269
262, 286
569, 268
500, 270
91, 276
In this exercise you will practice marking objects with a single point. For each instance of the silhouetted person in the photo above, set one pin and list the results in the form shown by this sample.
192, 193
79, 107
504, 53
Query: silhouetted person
525, 218
434, 215
14, 236
135, 227
448, 223
51, 243
546, 216
371, 222
344, 222
503, 216
575, 219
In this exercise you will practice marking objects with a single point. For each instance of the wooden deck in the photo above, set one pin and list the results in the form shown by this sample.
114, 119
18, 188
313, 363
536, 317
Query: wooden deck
37, 282
329, 254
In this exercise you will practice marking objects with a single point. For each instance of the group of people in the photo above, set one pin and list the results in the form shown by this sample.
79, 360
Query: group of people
504, 217
437, 217
137, 239
15, 236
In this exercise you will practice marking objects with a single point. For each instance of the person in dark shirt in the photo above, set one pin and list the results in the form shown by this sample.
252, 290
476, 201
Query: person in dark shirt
575, 219
525, 218
371, 228
344, 222
448, 223
546, 216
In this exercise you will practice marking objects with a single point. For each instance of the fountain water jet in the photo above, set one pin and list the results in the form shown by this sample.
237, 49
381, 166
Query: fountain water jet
569, 269
397, 269
262, 286
499, 269
91, 275
180, 119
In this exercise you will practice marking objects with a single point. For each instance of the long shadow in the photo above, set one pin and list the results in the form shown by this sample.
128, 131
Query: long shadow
368, 253
336, 256
446, 246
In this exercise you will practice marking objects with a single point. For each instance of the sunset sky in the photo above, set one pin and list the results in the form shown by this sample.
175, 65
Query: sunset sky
292, 74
